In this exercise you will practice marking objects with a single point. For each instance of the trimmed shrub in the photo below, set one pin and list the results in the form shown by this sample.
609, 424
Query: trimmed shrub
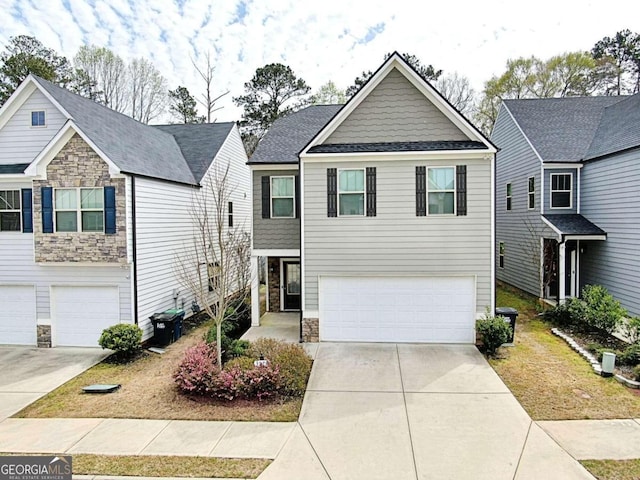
560, 315
494, 331
630, 355
198, 368
600, 310
636, 372
631, 329
124, 339
291, 360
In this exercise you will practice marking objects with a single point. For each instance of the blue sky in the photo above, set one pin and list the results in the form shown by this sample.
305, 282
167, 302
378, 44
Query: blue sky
329, 40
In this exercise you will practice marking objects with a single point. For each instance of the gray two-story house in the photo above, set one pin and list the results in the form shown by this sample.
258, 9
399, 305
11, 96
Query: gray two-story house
376, 217
567, 201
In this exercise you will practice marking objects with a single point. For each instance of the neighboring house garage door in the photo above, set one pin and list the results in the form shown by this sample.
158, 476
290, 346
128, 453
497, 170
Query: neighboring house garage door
17, 314
79, 314
397, 309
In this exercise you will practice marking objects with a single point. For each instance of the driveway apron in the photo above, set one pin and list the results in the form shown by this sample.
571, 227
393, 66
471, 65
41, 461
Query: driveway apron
407, 411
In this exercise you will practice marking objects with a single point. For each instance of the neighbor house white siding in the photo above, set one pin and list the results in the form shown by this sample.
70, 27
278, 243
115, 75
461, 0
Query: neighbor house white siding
19, 141
396, 242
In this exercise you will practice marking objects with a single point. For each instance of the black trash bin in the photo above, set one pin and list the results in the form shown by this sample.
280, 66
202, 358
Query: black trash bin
163, 328
178, 317
510, 314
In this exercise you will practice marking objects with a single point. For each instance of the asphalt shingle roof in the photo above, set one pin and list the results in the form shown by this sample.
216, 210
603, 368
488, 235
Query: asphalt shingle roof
573, 224
289, 135
135, 147
619, 128
199, 143
397, 146
560, 129
13, 168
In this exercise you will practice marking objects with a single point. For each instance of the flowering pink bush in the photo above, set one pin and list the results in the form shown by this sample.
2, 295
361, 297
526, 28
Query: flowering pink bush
198, 368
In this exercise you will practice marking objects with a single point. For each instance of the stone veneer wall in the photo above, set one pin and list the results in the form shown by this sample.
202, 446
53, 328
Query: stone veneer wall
273, 266
310, 330
44, 336
77, 165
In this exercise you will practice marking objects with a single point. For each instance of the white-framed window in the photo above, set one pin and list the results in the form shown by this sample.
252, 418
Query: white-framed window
10, 211
531, 192
561, 190
38, 118
283, 197
441, 190
79, 209
501, 254
508, 196
351, 192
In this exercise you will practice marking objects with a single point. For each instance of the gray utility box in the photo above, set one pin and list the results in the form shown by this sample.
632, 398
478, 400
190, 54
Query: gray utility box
510, 314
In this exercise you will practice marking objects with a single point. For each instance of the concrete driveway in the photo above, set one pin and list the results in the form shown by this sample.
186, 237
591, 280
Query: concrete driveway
380, 411
28, 373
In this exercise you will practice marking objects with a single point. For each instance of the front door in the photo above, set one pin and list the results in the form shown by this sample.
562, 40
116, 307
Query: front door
291, 285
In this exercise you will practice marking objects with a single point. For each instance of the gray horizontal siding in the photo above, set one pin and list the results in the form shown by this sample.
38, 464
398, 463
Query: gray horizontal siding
610, 199
19, 141
272, 233
396, 241
519, 228
547, 190
395, 111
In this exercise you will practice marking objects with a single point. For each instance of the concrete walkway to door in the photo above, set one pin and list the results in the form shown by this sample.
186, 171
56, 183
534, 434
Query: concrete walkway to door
406, 411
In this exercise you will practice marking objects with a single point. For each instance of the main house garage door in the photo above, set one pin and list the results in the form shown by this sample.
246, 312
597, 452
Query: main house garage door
79, 314
397, 309
17, 314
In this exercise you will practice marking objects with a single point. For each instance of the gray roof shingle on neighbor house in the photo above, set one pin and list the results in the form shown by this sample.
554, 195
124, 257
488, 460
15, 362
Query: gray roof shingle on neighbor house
573, 224
13, 168
397, 146
619, 128
560, 129
289, 135
199, 143
134, 147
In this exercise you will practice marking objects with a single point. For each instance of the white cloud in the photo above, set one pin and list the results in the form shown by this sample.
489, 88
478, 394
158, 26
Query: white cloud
318, 40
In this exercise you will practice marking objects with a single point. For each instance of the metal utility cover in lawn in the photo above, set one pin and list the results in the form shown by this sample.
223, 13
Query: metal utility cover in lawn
100, 388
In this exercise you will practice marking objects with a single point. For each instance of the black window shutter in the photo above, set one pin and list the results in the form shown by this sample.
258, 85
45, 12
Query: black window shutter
266, 197
461, 189
27, 210
421, 191
230, 213
110, 210
371, 191
47, 209
332, 192
297, 194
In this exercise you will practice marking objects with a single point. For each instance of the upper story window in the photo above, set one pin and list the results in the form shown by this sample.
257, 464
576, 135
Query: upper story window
230, 214
509, 195
561, 192
10, 211
282, 197
441, 190
38, 118
351, 192
79, 209
531, 195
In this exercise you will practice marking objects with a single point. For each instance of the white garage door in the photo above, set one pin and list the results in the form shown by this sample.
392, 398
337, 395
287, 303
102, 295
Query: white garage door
17, 315
397, 309
79, 314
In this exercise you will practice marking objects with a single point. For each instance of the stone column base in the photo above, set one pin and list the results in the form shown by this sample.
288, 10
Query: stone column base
310, 330
44, 336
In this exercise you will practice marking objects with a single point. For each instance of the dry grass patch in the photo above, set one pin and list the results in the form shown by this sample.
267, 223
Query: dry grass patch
550, 380
613, 469
148, 391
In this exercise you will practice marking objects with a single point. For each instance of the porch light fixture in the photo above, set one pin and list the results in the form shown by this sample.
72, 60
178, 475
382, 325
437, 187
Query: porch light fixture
608, 364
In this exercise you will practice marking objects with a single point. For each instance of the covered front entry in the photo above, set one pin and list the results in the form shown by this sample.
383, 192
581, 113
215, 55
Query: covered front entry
397, 309
290, 285
79, 314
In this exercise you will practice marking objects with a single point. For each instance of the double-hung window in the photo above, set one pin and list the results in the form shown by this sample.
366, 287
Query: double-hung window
10, 210
79, 209
561, 192
531, 195
283, 197
441, 187
351, 192
509, 196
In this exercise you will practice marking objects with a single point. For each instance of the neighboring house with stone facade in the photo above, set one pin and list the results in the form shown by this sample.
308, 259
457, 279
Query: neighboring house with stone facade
376, 217
94, 207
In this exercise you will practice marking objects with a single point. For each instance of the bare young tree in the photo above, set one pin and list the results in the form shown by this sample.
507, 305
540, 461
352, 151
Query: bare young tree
215, 266
533, 250
206, 99
457, 89
148, 90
